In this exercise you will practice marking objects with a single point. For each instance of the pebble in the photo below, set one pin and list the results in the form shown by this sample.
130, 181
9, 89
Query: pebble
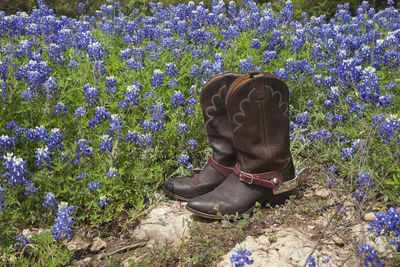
370, 216
97, 244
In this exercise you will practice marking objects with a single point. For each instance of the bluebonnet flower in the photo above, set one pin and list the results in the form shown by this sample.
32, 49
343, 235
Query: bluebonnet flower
111, 84
182, 129
323, 136
54, 142
100, 115
343, 210
106, 144
99, 67
93, 185
115, 125
241, 257
369, 85
390, 86
40, 133
388, 223
256, 44
131, 96
30, 188
364, 181
184, 159
388, 127
49, 200
81, 176
189, 110
91, 95
281, 73
178, 99
302, 120
310, 105
171, 70
6, 143
332, 169
246, 65
2, 198
80, 111
132, 137
192, 143
81, 9
348, 152
157, 80
3, 87
173, 83
43, 157
370, 256
14, 169
385, 100
63, 222
328, 104
73, 63
268, 56
96, 51
83, 150
112, 172
23, 239
125, 54
146, 140
311, 261
276, 43
358, 109
335, 120
103, 201
60, 108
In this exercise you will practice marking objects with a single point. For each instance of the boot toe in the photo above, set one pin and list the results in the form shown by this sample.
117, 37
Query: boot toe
203, 206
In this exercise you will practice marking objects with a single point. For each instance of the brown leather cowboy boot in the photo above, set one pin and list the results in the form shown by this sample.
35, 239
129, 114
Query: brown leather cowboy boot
258, 110
220, 164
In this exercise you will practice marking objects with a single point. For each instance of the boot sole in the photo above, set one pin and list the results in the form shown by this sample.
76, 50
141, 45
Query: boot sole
174, 196
215, 217
272, 199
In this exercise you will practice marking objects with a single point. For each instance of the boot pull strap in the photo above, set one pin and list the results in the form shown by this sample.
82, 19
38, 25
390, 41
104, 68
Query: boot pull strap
222, 169
272, 179
228, 76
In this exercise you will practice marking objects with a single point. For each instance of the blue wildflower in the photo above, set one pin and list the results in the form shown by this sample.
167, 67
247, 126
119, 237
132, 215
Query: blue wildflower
63, 222
241, 257
49, 200
93, 185
112, 172
80, 111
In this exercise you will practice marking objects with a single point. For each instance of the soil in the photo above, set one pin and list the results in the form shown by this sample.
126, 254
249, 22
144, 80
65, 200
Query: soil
309, 210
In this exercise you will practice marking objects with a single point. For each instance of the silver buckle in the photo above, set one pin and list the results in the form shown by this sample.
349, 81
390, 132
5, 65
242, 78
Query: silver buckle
240, 177
292, 184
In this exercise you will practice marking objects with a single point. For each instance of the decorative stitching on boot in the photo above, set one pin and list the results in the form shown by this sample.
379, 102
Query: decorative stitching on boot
282, 103
213, 106
241, 112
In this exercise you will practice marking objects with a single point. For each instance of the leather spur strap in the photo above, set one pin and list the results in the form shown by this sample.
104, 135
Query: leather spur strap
225, 171
272, 179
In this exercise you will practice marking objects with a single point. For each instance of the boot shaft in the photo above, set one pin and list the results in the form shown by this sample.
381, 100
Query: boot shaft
212, 101
258, 111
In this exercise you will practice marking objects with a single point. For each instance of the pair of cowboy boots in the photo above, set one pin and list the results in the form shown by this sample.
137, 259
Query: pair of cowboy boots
247, 122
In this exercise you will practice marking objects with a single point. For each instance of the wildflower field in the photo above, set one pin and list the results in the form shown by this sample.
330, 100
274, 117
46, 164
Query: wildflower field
98, 111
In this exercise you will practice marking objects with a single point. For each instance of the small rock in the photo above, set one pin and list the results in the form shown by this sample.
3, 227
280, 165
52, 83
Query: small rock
97, 244
83, 263
338, 241
77, 243
166, 223
370, 216
324, 193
